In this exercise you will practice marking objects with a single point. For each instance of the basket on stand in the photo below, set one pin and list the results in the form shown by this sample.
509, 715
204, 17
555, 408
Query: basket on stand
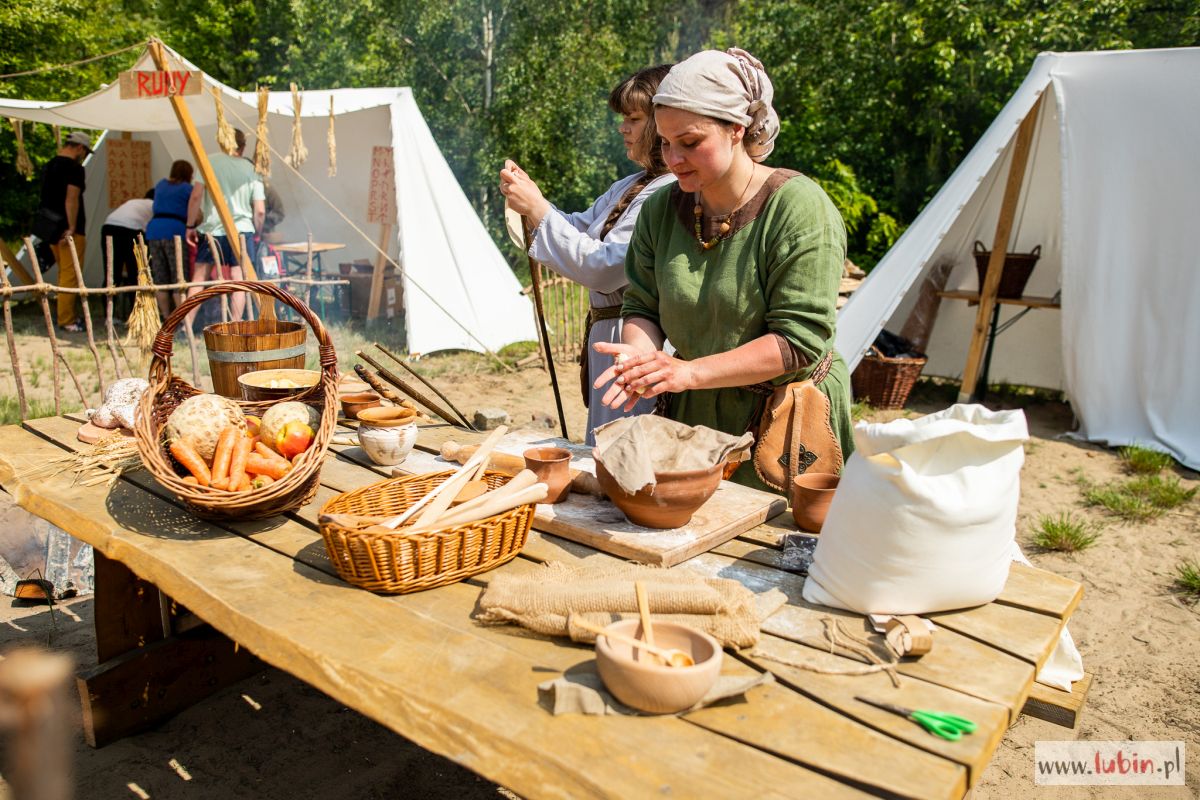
1017, 269
167, 391
886, 382
398, 562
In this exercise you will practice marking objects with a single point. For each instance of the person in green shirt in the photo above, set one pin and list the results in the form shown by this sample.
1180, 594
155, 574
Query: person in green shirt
737, 265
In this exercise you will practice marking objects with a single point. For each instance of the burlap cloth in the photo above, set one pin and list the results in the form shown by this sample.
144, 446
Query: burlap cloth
632, 449
580, 691
544, 600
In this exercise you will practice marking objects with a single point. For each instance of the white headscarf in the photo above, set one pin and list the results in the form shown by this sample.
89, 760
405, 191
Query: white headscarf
731, 86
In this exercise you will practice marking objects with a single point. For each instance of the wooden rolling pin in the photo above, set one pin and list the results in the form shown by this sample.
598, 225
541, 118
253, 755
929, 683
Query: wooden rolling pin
581, 481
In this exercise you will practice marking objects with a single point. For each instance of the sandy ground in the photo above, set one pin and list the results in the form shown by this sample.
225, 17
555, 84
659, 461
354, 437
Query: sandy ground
1139, 638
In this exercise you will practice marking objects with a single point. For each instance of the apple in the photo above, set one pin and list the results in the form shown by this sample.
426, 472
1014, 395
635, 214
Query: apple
252, 424
294, 439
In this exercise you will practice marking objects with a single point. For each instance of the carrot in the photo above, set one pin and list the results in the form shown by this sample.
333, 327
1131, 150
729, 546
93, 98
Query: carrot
191, 479
186, 454
237, 466
244, 486
262, 481
224, 453
267, 452
272, 467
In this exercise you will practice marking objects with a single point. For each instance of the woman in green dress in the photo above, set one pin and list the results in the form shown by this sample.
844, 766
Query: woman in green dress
737, 265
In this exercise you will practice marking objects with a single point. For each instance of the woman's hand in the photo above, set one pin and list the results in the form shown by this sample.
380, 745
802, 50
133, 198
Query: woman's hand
522, 193
638, 373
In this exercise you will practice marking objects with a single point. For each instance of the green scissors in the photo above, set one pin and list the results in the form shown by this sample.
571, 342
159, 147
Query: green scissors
948, 726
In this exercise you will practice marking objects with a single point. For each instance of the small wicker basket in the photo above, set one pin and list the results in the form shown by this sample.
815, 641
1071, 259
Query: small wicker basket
1015, 273
167, 391
885, 382
399, 563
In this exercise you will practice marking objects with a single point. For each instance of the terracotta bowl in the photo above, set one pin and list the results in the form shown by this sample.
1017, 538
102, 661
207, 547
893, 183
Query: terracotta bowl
385, 417
812, 493
552, 465
674, 499
641, 682
256, 386
352, 404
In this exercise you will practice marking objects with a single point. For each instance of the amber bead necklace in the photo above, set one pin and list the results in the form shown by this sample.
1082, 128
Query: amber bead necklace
725, 229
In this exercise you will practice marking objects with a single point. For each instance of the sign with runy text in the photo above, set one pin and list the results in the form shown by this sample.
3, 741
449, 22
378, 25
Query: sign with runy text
146, 84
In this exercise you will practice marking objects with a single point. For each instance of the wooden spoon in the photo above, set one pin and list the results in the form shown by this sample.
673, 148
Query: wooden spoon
670, 656
644, 611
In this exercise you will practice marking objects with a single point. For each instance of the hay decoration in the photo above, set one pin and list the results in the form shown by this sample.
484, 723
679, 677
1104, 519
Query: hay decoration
100, 463
24, 165
225, 136
144, 322
262, 153
299, 153
57, 136
331, 140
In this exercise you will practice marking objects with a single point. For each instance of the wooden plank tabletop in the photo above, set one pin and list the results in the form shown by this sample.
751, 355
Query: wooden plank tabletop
420, 665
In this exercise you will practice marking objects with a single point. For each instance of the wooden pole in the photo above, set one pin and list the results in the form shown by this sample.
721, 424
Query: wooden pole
17, 268
184, 116
376, 295
995, 267
12, 350
87, 313
535, 280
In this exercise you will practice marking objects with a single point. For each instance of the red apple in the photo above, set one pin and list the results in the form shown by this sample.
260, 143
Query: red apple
294, 439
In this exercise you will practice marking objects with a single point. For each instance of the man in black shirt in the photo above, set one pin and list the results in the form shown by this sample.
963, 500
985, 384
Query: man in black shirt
63, 182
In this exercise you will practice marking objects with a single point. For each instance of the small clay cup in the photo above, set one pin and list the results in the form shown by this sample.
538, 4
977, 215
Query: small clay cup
642, 682
387, 446
352, 404
552, 465
385, 417
812, 493
676, 496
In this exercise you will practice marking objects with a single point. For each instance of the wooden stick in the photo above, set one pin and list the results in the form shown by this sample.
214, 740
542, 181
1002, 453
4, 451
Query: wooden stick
535, 274
406, 387
37, 272
87, 313
12, 351
109, 331
10, 258
423, 380
443, 495
187, 329
220, 267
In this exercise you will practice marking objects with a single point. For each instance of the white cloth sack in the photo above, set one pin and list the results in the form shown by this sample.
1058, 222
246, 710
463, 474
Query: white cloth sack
924, 518
1065, 664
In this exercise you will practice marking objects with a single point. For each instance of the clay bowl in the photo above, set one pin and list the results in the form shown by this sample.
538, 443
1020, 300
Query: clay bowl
256, 386
352, 404
642, 682
388, 445
386, 417
812, 493
552, 465
673, 500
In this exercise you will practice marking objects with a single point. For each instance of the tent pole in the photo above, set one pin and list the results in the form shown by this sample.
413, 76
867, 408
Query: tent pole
376, 296
184, 116
18, 269
995, 267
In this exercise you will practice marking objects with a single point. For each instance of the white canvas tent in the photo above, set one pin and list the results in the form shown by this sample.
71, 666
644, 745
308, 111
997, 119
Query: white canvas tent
459, 292
1111, 192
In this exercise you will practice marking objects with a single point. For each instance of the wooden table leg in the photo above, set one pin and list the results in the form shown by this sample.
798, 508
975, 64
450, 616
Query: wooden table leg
152, 665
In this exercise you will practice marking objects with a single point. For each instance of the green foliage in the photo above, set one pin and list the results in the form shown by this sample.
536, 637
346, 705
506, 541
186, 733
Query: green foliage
1188, 577
1139, 499
10, 409
1144, 460
1064, 533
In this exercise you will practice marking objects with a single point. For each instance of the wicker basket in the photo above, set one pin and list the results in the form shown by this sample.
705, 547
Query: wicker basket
167, 391
1017, 269
399, 563
885, 382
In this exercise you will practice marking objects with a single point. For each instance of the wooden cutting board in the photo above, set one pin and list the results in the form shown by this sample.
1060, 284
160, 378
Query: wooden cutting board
596, 522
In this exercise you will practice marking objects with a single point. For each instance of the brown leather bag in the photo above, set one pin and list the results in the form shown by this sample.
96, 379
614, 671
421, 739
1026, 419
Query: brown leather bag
794, 434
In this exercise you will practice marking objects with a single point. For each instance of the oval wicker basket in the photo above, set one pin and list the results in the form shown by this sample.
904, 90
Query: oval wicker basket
167, 391
399, 563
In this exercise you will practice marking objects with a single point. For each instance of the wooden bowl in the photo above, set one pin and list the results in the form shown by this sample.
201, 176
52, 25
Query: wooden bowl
675, 497
812, 492
386, 417
642, 682
256, 386
353, 404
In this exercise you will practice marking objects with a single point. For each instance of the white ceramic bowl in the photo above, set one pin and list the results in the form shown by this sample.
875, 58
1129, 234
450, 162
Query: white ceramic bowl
388, 446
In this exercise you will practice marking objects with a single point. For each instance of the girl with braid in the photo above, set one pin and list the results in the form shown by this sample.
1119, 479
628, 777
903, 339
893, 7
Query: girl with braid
589, 246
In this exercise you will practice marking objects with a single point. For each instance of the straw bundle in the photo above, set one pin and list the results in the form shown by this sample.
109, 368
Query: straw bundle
144, 322
262, 153
332, 142
57, 136
225, 137
24, 165
102, 462
299, 153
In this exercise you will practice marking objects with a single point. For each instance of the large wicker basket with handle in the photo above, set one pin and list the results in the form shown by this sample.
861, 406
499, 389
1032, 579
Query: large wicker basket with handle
398, 563
167, 391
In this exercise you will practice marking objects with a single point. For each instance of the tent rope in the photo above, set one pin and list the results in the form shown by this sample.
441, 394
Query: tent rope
69, 64
379, 250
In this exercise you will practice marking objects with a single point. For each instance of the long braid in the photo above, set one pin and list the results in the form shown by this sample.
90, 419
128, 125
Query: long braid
633, 191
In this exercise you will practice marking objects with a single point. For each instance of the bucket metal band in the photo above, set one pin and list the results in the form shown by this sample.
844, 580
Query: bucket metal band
255, 355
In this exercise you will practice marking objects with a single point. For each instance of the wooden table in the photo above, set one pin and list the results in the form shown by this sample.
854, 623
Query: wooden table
421, 666
296, 254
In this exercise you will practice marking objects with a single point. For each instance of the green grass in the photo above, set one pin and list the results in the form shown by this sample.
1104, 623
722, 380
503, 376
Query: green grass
1144, 460
1064, 533
1139, 499
10, 409
1187, 577
861, 410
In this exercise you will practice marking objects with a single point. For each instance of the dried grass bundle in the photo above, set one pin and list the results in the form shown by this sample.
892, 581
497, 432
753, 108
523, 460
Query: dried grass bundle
101, 463
299, 153
331, 140
144, 322
57, 136
24, 165
225, 136
262, 152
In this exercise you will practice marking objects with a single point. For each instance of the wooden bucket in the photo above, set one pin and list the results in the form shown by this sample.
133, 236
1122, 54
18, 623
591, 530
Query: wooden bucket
235, 348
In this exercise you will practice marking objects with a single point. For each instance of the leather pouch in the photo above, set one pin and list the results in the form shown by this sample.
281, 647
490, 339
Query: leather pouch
794, 436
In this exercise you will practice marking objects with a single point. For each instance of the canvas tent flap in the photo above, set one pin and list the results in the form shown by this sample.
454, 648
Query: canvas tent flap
1110, 193
458, 289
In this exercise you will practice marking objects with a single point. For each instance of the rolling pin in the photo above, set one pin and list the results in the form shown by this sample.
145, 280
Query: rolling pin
581, 481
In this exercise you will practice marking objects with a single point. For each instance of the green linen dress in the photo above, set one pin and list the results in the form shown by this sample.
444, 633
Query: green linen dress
777, 272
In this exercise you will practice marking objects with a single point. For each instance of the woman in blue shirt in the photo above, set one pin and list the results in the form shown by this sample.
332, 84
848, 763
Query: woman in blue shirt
177, 204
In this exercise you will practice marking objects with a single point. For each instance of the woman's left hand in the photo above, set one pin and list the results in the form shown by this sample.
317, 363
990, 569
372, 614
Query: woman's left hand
642, 375
522, 193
